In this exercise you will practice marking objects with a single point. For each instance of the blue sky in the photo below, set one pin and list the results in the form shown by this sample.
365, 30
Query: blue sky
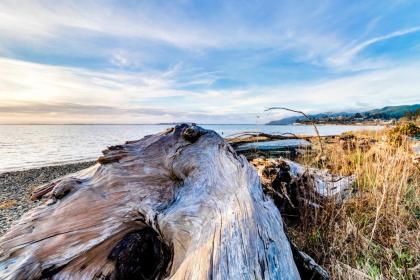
203, 61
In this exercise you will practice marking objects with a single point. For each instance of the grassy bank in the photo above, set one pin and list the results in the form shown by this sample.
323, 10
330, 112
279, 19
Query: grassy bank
375, 234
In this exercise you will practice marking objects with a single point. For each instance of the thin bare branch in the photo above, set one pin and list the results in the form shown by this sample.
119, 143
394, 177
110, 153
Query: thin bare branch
307, 117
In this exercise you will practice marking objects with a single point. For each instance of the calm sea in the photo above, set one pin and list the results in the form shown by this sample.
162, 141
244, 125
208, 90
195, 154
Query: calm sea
28, 146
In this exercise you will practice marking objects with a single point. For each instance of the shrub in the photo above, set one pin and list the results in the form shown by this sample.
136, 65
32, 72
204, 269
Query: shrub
401, 131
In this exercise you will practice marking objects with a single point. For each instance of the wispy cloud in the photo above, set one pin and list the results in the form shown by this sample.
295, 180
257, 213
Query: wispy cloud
210, 61
65, 94
372, 41
348, 55
41, 22
93, 27
71, 95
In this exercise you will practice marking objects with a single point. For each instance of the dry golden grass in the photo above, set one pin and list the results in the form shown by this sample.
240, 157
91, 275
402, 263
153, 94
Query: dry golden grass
7, 204
375, 234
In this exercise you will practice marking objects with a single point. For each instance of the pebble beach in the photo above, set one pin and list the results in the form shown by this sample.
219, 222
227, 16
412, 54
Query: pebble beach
16, 188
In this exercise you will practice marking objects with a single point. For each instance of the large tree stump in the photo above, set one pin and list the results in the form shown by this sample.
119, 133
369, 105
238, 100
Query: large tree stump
176, 205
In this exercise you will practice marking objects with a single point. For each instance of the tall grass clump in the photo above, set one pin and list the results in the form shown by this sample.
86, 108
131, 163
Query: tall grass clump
375, 233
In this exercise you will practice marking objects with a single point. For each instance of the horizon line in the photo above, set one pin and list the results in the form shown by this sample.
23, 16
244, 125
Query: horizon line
130, 123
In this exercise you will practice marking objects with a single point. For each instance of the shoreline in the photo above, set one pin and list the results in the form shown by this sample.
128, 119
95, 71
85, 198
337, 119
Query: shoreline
48, 165
16, 188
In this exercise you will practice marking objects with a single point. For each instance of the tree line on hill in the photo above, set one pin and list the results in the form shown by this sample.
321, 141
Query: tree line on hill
386, 114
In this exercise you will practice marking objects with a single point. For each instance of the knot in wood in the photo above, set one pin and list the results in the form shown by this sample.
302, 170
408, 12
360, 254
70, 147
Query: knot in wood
193, 133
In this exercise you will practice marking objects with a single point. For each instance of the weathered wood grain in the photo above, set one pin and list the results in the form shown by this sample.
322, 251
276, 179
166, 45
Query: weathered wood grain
183, 198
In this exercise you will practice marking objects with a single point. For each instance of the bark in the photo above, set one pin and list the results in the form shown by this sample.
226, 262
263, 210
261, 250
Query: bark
176, 205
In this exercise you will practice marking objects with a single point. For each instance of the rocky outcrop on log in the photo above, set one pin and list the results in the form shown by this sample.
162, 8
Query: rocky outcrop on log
176, 205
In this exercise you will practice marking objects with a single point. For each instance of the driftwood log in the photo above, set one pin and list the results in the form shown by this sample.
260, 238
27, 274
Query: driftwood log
176, 205
293, 188
288, 182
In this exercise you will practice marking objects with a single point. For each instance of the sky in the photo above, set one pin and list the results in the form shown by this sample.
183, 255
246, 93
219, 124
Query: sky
204, 61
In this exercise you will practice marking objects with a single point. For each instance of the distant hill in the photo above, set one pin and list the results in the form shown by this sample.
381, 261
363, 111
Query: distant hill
391, 112
294, 119
386, 113
286, 121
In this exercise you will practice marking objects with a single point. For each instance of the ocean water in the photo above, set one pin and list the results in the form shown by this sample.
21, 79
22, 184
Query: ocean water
29, 146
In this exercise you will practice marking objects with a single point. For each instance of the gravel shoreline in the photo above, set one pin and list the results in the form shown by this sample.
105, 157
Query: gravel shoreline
16, 188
